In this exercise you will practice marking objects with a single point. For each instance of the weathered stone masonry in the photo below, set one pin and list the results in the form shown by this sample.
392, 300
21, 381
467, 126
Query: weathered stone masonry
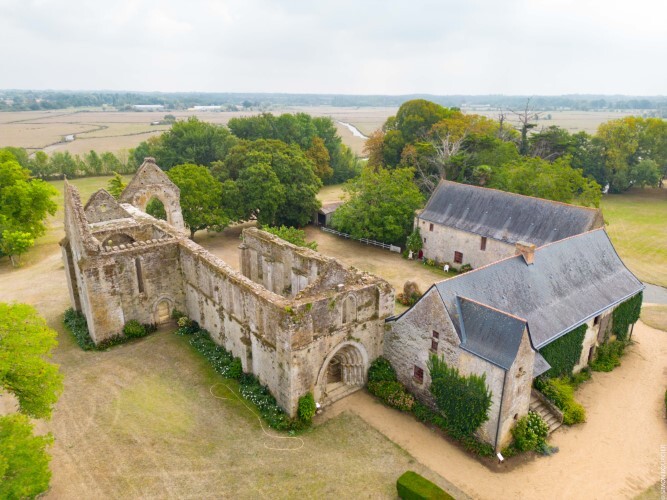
298, 320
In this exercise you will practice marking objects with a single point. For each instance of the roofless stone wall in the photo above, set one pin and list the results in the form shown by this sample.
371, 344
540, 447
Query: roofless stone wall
293, 317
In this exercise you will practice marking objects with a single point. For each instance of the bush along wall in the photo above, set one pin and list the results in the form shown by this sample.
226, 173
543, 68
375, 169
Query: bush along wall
383, 383
76, 323
250, 387
625, 315
564, 353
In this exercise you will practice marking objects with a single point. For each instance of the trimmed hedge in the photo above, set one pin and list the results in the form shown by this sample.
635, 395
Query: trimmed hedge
564, 353
412, 486
626, 314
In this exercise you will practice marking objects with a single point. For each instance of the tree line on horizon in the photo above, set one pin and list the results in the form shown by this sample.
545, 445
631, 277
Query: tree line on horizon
34, 100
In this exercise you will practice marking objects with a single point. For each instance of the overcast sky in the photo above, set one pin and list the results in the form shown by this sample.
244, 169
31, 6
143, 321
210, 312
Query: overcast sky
355, 47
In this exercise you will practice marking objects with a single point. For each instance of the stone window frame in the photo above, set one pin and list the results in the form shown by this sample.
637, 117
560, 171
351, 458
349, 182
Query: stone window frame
482, 244
435, 338
458, 257
430, 227
418, 374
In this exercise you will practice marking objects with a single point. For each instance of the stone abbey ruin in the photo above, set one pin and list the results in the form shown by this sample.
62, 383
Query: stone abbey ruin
298, 320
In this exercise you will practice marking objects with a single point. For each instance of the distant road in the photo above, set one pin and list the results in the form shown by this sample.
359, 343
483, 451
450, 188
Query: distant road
655, 294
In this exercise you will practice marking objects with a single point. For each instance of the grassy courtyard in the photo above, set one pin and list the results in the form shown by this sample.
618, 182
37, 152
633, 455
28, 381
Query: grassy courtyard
637, 225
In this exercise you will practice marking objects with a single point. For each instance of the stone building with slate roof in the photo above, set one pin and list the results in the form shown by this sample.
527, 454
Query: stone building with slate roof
465, 224
495, 320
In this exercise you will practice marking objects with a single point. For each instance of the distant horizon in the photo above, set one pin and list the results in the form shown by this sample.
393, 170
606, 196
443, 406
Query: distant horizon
351, 94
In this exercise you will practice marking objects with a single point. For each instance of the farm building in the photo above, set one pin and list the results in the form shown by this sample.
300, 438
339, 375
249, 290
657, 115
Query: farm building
325, 213
465, 224
500, 320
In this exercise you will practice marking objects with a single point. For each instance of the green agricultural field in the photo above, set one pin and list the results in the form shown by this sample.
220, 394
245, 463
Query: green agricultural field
637, 225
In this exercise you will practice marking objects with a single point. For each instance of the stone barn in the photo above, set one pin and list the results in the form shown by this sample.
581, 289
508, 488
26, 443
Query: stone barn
463, 224
298, 320
497, 320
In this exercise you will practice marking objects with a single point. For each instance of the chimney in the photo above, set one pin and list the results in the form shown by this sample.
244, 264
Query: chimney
527, 250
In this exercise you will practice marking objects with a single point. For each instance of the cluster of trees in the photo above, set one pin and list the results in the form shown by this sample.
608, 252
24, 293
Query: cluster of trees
264, 167
24, 205
26, 343
435, 142
443, 142
63, 163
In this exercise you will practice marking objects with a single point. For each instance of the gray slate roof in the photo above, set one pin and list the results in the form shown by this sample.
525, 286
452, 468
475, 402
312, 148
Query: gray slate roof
489, 333
505, 216
571, 281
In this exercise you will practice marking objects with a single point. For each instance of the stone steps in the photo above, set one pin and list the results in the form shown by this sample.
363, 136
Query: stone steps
545, 412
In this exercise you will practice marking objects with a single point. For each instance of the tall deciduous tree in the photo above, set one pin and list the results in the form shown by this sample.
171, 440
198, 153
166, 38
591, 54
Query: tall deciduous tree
116, 185
24, 205
188, 142
26, 343
550, 180
381, 205
201, 196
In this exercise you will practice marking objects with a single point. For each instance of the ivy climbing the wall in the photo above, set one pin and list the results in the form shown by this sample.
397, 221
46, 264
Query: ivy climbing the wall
626, 314
564, 353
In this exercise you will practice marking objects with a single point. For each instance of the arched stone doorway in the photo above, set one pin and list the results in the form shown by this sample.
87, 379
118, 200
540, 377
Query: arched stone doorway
162, 311
343, 372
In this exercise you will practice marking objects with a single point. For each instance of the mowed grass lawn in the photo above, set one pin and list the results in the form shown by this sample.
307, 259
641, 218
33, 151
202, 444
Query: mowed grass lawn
637, 225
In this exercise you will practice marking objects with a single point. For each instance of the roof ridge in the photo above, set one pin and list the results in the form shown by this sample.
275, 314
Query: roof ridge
554, 202
493, 308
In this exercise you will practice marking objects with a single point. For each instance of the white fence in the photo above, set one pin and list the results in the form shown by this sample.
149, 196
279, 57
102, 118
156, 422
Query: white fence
386, 246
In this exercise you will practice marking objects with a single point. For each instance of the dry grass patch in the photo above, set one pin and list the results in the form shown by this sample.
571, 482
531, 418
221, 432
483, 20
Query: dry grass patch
655, 316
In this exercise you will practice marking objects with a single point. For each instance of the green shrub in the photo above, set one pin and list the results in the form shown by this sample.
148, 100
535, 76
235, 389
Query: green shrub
465, 268
307, 408
463, 400
626, 314
392, 393
608, 356
580, 377
176, 314
412, 486
564, 353
530, 432
381, 371
414, 242
560, 392
75, 322
134, 329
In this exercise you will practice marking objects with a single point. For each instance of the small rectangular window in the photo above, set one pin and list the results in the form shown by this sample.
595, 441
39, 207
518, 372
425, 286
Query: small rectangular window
424, 239
458, 257
436, 335
434, 345
140, 277
430, 227
419, 375
596, 320
483, 244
